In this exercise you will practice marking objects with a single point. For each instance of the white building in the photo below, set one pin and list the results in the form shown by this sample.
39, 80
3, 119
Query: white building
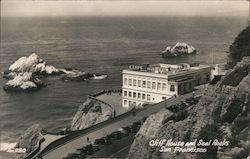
154, 83
219, 70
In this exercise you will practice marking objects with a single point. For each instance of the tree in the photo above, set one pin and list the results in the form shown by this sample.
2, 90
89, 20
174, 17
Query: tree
240, 47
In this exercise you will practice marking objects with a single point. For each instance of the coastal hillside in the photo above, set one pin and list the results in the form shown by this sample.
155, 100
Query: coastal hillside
240, 47
221, 113
30, 138
90, 113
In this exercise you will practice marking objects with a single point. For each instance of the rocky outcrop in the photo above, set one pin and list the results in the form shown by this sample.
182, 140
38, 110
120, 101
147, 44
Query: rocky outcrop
221, 113
90, 113
24, 73
30, 138
149, 130
23, 82
76, 75
179, 49
32, 64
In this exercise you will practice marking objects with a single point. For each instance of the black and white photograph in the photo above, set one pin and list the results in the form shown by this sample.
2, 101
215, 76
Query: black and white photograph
124, 79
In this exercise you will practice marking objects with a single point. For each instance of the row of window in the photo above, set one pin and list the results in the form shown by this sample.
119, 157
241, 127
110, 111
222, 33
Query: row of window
145, 84
136, 95
130, 103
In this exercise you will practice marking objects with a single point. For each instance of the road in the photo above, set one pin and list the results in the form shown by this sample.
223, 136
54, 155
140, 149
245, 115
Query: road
117, 148
71, 146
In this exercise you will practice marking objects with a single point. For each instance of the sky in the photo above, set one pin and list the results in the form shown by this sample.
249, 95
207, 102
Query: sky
124, 8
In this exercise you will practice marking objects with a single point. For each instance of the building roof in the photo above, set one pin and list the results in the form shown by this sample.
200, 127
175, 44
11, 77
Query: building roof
167, 69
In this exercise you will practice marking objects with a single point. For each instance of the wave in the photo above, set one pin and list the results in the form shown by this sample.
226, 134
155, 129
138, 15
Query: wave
5, 146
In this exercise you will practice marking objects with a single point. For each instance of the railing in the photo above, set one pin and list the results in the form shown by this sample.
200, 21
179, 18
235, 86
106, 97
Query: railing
78, 133
34, 152
106, 91
98, 100
93, 97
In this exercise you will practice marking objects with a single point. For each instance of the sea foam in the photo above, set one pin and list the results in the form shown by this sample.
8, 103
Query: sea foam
5, 146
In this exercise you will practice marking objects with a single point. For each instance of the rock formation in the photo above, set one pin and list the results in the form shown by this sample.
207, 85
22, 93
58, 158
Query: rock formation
23, 74
90, 113
221, 113
33, 64
179, 49
23, 82
30, 138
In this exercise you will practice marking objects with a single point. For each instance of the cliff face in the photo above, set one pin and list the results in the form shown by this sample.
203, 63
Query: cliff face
221, 113
30, 138
90, 113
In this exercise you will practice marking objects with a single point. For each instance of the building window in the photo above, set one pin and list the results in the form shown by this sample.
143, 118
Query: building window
129, 94
148, 97
143, 84
172, 88
158, 86
153, 85
190, 85
125, 81
134, 82
139, 83
163, 98
125, 102
164, 86
130, 82
134, 103
143, 96
125, 93
148, 84
198, 79
129, 103
208, 78
134, 95
139, 96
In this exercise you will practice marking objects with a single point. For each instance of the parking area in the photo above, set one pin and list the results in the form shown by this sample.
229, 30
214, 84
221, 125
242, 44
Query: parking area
117, 143
109, 145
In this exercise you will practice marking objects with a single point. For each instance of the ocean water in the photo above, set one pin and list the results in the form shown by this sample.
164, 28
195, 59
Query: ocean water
103, 45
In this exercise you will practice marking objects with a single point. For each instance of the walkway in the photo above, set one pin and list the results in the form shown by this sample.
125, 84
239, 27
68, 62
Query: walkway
115, 100
48, 139
71, 146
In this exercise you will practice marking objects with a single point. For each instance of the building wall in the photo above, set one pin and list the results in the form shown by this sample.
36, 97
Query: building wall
218, 70
200, 76
138, 98
139, 89
146, 87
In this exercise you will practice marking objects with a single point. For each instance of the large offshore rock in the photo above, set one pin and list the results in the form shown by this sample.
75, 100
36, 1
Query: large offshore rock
23, 74
179, 49
23, 82
33, 64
